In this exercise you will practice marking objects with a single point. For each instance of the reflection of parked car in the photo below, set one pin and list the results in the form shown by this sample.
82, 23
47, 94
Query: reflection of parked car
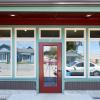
77, 69
71, 64
94, 70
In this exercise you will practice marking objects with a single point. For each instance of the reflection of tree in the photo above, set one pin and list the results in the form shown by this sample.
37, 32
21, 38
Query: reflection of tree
73, 45
52, 53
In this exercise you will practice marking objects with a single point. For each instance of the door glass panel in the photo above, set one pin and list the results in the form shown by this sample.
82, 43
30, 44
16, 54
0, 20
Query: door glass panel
50, 66
74, 58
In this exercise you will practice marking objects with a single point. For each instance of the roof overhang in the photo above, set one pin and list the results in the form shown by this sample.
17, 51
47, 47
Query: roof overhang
55, 10
50, 2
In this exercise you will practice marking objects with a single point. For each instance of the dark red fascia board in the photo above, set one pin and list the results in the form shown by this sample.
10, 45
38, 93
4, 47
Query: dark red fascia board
49, 21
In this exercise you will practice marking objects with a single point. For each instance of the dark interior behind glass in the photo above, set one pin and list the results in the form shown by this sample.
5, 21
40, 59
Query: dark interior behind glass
25, 33
74, 33
4, 33
95, 34
50, 33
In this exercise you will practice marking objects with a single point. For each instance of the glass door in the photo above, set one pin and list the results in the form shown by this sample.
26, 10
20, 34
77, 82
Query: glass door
50, 80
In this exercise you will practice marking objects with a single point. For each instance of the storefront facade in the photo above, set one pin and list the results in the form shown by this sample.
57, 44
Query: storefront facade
48, 47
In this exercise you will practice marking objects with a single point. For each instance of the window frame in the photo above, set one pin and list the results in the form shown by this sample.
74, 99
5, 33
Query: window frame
18, 39
10, 39
90, 40
76, 40
40, 29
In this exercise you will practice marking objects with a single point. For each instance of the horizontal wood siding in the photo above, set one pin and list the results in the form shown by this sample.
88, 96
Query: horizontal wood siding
18, 85
82, 85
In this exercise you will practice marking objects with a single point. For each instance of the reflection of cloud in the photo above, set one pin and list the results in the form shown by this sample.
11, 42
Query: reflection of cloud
47, 48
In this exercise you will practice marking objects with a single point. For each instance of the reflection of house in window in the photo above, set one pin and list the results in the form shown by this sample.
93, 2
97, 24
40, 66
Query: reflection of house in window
72, 56
4, 53
25, 55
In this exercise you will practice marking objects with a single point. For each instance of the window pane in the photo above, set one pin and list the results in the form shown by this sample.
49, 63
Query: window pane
25, 58
4, 33
50, 33
75, 58
25, 33
95, 34
74, 33
95, 58
5, 58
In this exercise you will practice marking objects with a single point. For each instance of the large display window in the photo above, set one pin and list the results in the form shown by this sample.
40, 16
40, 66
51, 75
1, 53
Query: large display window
94, 52
75, 52
25, 52
5, 52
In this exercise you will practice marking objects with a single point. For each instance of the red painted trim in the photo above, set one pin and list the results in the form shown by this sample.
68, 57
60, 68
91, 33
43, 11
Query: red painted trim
49, 21
49, 18
58, 88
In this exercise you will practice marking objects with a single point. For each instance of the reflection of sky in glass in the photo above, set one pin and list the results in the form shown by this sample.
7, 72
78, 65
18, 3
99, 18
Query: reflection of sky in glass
25, 44
47, 48
6, 42
95, 47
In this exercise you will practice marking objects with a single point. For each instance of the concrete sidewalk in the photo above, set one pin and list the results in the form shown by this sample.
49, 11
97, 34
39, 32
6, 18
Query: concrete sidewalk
6, 94
52, 96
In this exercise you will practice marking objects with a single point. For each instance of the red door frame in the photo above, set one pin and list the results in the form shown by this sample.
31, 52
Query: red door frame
58, 88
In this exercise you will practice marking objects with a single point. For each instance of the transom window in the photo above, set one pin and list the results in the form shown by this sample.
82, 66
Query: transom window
94, 33
74, 33
5, 33
53, 33
25, 33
